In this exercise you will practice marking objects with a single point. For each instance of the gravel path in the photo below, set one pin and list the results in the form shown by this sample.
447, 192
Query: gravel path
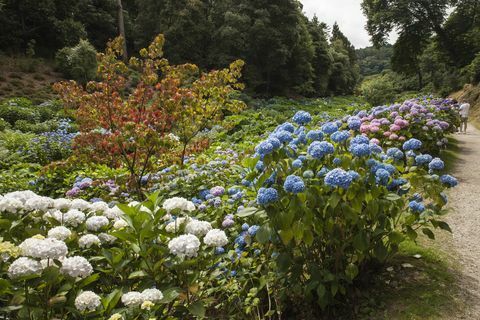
464, 220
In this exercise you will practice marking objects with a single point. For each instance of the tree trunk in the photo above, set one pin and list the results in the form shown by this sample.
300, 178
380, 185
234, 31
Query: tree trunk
121, 28
420, 79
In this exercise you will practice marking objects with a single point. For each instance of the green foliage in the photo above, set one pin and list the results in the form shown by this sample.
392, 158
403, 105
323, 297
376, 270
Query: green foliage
78, 62
373, 60
380, 89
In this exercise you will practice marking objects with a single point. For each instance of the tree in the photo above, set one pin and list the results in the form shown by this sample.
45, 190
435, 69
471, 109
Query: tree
126, 117
322, 60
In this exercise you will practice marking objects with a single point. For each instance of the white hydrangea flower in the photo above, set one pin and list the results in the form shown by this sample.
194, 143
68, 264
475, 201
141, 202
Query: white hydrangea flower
106, 238
22, 196
60, 233
113, 213
186, 245
48, 248
178, 203
215, 238
99, 206
10, 205
175, 225
76, 267
96, 223
120, 224
87, 301
53, 214
132, 299
24, 267
88, 240
39, 203
198, 228
173, 137
116, 316
80, 204
133, 203
153, 295
73, 217
62, 204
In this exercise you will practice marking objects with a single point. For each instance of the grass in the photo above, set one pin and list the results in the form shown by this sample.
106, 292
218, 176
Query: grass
413, 289
450, 155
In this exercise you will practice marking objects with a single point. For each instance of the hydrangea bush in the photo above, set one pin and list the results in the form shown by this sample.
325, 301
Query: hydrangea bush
334, 197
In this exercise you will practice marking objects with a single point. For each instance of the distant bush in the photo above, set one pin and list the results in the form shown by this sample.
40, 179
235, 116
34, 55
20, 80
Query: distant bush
4, 125
380, 89
472, 71
79, 62
12, 114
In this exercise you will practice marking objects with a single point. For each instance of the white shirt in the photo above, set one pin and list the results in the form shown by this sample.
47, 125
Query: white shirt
464, 110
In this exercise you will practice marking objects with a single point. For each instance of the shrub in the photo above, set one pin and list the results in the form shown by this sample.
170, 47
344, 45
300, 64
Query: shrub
380, 89
331, 201
78, 62
132, 129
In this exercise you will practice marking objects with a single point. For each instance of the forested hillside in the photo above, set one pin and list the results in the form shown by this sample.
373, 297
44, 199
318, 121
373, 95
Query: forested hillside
372, 60
285, 53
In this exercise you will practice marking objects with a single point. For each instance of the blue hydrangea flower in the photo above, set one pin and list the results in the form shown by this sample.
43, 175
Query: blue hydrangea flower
266, 196
303, 158
411, 154
264, 148
260, 166
412, 144
416, 206
294, 184
375, 148
423, 159
252, 231
219, 250
322, 172
417, 197
308, 174
330, 127
203, 193
302, 117
338, 178
340, 136
318, 149
382, 176
240, 241
395, 153
282, 136
297, 163
233, 190
354, 174
274, 142
354, 123
359, 140
315, 135
287, 126
245, 226
360, 150
337, 161
436, 164
371, 162
449, 180
396, 183
245, 183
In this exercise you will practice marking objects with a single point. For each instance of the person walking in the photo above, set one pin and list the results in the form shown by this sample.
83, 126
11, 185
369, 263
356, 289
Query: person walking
464, 110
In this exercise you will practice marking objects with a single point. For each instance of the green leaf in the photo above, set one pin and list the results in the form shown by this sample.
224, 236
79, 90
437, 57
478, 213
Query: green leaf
286, 236
396, 237
351, 271
321, 290
412, 234
246, 212
263, 234
137, 274
334, 200
444, 226
428, 233
197, 309
360, 242
380, 251
170, 294
393, 197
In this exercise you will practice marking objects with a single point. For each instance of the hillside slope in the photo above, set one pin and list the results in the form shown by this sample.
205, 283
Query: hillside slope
471, 94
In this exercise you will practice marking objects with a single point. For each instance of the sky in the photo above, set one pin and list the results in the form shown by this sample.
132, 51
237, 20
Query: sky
348, 15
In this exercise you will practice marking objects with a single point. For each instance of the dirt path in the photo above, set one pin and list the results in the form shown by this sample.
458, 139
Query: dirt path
465, 222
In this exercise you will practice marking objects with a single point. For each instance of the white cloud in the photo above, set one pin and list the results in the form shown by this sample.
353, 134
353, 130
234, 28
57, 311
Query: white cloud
347, 13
